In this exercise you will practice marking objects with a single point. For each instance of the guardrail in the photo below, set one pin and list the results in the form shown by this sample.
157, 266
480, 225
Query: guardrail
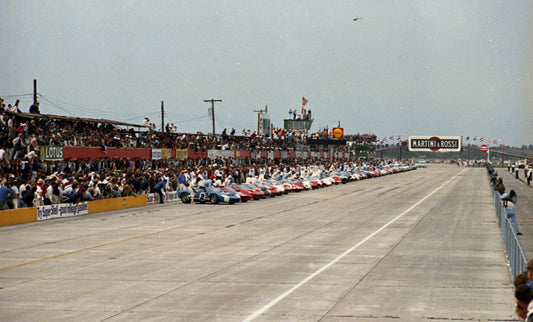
515, 254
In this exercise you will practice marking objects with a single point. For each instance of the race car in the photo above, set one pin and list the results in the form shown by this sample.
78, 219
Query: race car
205, 194
255, 193
243, 194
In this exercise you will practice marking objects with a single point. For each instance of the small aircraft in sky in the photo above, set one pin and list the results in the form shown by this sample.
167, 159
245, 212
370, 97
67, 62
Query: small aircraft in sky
356, 18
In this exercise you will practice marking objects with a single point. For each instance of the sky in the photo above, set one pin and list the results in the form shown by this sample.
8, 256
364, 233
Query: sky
405, 68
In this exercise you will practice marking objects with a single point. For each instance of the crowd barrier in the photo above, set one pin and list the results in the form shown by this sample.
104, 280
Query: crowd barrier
514, 251
26, 215
116, 203
18, 216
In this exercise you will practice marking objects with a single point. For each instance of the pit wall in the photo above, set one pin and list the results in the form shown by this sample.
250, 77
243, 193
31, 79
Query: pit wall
26, 215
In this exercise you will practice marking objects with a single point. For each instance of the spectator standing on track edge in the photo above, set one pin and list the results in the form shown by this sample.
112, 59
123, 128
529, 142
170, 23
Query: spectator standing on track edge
509, 200
500, 187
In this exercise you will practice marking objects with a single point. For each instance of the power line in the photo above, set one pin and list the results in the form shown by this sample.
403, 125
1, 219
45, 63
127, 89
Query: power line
16, 95
82, 109
56, 105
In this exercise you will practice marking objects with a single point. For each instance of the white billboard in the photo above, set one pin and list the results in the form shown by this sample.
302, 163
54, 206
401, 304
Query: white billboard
435, 143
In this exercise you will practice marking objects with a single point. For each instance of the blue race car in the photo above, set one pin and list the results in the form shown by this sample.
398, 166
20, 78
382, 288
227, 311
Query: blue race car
205, 194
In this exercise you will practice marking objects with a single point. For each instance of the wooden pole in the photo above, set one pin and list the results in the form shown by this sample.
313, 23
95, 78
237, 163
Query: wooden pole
34, 90
213, 111
162, 116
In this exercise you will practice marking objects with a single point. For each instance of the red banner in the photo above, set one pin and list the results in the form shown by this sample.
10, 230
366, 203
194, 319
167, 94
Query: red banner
70, 152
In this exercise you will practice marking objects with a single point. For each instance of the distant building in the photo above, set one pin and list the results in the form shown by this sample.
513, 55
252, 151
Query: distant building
297, 124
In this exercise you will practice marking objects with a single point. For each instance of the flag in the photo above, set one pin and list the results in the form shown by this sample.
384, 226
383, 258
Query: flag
391, 137
501, 143
467, 138
488, 141
475, 138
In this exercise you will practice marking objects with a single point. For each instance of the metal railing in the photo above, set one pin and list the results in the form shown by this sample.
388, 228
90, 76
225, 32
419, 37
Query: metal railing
515, 254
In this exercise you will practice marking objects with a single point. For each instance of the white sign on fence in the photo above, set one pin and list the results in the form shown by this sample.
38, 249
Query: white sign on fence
61, 210
153, 198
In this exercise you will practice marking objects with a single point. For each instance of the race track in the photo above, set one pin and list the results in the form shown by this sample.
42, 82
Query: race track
414, 246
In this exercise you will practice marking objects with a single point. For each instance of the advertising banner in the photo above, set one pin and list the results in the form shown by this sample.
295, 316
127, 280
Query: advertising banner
156, 154
196, 154
213, 154
51, 153
338, 132
435, 143
242, 154
61, 210
181, 154
166, 154
153, 198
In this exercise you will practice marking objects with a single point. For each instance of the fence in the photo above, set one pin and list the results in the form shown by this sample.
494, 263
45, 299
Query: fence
515, 254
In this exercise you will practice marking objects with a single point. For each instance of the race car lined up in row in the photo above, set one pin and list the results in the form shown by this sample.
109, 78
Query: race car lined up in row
244, 192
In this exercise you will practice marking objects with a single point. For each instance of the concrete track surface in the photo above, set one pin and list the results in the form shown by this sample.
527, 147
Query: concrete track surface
415, 246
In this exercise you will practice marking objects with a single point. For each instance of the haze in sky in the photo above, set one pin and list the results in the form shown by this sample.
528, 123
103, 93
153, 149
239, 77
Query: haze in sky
407, 67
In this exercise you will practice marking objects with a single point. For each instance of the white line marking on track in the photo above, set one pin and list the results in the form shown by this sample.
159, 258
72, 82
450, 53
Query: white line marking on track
310, 277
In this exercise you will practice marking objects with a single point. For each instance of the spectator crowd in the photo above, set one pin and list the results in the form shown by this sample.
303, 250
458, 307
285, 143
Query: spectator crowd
73, 181
27, 181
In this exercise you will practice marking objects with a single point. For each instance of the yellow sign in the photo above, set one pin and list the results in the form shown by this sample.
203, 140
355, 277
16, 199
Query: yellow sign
338, 132
181, 154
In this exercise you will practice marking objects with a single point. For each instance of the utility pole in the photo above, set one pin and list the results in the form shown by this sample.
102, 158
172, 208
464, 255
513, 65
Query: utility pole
213, 111
259, 113
34, 90
162, 116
